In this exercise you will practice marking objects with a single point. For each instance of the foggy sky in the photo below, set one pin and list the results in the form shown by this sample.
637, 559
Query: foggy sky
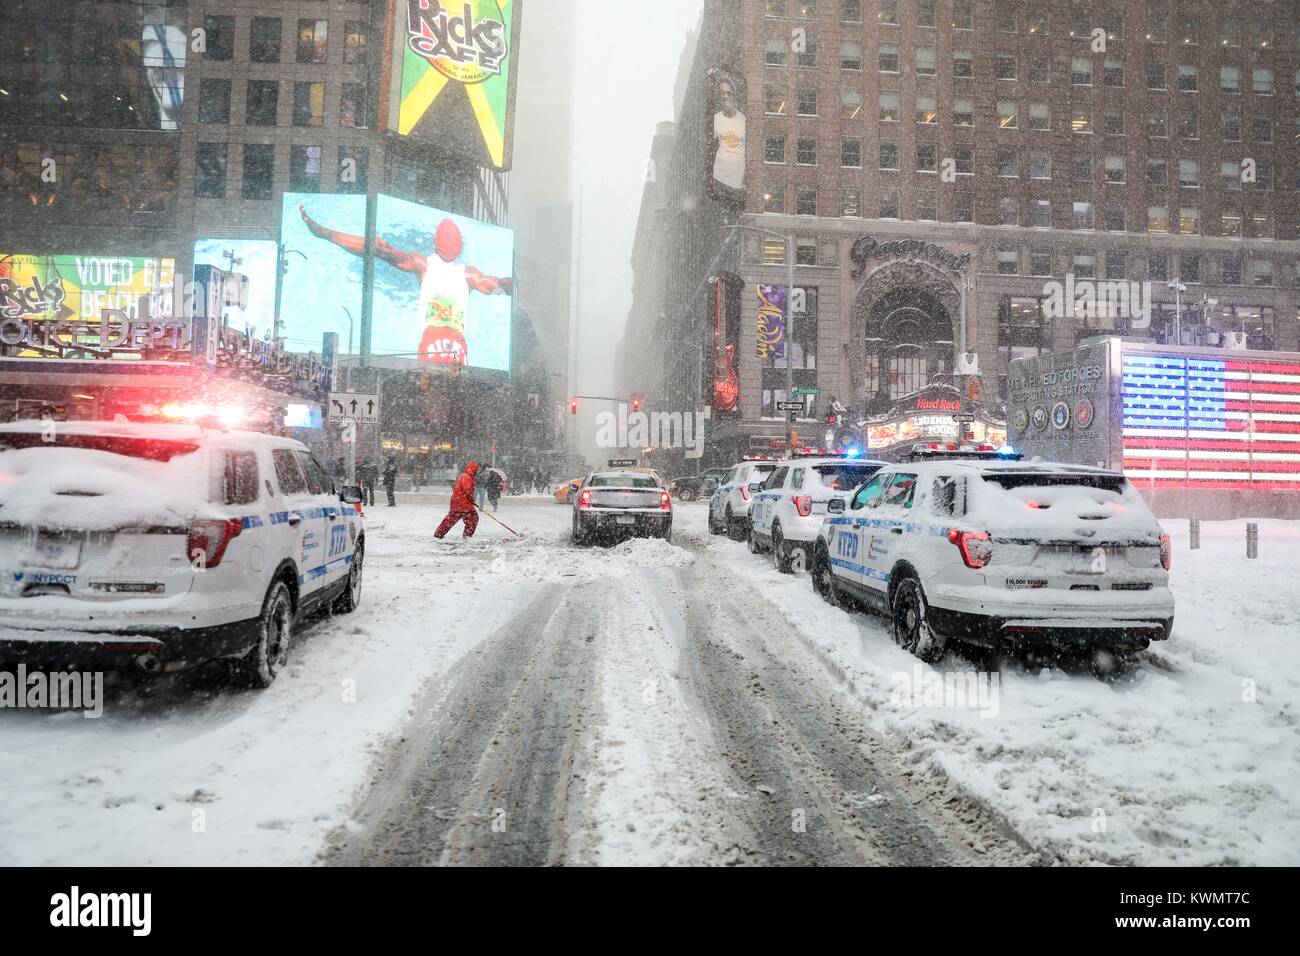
628, 54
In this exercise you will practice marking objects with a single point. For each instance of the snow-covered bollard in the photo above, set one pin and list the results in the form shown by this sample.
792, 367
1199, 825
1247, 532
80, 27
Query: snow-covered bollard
1194, 534
1252, 540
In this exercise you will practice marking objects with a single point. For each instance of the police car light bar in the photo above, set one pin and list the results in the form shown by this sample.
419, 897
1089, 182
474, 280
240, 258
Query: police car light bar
976, 452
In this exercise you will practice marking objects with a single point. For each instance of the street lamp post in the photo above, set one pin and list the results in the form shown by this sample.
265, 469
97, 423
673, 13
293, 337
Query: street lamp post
1179, 288
787, 240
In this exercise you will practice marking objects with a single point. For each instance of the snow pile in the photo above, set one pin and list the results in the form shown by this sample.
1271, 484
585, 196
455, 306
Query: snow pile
87, 489
653, 551
1056, 510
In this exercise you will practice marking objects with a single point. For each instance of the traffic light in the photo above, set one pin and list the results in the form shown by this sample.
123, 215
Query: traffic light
636, 403
573, 406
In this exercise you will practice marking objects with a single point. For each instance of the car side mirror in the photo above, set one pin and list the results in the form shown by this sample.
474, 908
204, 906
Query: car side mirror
350, 495
835, 506
755, 487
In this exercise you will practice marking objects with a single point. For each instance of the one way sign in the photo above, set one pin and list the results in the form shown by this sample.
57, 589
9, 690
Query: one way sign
352, 407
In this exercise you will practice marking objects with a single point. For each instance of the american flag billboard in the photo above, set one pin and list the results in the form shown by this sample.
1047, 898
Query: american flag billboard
1211, 423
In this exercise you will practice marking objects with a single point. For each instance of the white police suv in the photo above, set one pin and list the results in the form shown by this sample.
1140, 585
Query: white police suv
159, 546
1000, 552
786, 514
729, 503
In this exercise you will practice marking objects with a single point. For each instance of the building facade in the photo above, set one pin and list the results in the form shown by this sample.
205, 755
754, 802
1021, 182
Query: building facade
985, 159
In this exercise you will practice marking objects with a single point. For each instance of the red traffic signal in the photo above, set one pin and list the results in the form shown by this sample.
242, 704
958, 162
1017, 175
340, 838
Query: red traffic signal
573, 406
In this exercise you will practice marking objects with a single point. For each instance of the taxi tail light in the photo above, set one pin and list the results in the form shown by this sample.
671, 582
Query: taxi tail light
584, 498
665, 501
803, 504
975, 547
207, 540
1166, 552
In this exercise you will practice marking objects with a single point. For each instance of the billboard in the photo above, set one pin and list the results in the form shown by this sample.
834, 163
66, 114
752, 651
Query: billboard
726, 137
770, 338
73, 288
254, 258
442, 288
450, 75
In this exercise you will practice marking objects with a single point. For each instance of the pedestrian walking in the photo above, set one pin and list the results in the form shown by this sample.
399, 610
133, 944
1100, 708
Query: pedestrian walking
390, 480
480, 485
496, 484
462, 504
368, 477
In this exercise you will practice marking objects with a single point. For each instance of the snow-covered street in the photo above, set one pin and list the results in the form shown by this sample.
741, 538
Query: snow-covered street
526, 701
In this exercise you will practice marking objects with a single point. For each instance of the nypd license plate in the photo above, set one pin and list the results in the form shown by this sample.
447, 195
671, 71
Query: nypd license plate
56, 551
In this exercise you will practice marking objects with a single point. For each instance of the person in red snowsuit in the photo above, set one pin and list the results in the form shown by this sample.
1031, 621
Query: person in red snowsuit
462, 504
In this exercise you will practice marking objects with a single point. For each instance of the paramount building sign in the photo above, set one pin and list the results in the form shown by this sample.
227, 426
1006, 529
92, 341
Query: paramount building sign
866, 248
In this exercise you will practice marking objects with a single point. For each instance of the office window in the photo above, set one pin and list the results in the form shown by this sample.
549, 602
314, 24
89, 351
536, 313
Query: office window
309, 104
264, 40
851, 202
1116, 266
259, 171
805, 203
927, 206
925, 61
889, 208
1113, 120
313, 40
925, 15
1261, 81
1114, 169
963, 112
850, 104
1036, 21
220, 34
927, 158
850, 56
889, 58
1261, 33
1261, 272
1081, 215
1261, 128
1189, 221
1040, 164
1008, 211
1189, 31
1157, 76
1083, 265
1156, 123
774, 55
1263, 174
806, 151
888, 12
1229, 79
805, 252
774, 199
1157, 26
210, 171
1040, 262
851, 11
1039, 118
1004, 67
1158, 268
1081, 71
806, 102
1157, 171
1081, 119
1230, 31
1261, 224
927, 113
889, 156
1189, 173
774, 149
1040, 69
354, 169
774, 100
262, 100
963, 65
1005, 161
964, 208
1232, 270
304, 169
1189, 78
776, 8
1008, 262
1157, 218
1189, 268
962, 16
1080, 23
805, 9
1112, 217
1081, 168
889, 109
214, 101
1112, 20
1112, 72
1189, 125
1006, 18
354, 106
964, 160
808, 57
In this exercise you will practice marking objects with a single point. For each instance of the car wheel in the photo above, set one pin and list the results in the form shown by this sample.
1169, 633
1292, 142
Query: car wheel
912, 630
714, 528
822, 576
274, 637
347, 602
755, 546
579, 534
733, 526
780, 551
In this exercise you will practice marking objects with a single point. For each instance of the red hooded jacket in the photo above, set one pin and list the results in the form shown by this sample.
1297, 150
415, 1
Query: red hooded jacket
462, 493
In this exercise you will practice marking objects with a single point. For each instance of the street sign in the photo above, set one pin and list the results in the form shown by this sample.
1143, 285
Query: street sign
789, 406
807, 390
349, 435
349, 406
622, 462
963, 418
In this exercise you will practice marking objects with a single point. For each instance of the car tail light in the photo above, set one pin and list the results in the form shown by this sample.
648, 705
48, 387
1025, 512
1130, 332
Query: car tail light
584, 498
803, 505
744, 492
975, 547
665, 502
207, 540
1166, 552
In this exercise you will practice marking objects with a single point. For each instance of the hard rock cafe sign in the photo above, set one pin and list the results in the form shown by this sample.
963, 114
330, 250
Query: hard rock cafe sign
866, 248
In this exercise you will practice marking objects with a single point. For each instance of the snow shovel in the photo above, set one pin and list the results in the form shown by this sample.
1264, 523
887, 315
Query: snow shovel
497, 520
